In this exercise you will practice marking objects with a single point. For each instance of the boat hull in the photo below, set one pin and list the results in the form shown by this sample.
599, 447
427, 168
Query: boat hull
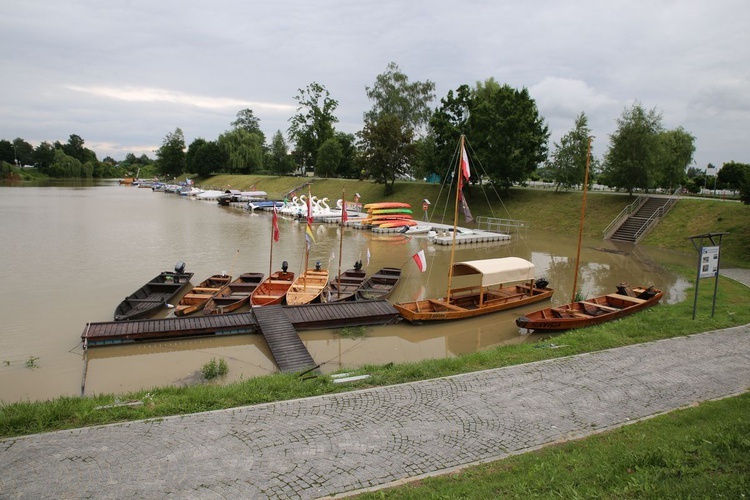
589, 312
197, 298
273, 289
233, 295
379, 285
153, 296
471, 304
307, 288
345, 286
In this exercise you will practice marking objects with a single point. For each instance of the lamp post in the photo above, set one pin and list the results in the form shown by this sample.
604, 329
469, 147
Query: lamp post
15, 155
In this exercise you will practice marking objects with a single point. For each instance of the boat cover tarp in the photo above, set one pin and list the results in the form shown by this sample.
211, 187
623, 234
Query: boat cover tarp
496, 271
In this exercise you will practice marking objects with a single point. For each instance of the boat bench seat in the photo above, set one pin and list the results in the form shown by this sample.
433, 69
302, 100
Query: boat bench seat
601, 306
195, 296
626, 298
265, 297
205, 289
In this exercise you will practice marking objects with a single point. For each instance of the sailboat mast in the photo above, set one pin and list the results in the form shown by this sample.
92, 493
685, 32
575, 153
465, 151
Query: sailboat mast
341, 237
459, 174
583, 214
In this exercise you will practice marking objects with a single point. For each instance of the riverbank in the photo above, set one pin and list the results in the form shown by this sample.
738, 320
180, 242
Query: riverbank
543, 209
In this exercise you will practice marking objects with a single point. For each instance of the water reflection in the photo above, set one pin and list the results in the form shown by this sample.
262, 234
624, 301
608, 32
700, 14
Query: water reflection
75, 252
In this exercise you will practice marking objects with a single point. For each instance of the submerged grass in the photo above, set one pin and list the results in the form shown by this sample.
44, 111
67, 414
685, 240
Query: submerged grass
659, 322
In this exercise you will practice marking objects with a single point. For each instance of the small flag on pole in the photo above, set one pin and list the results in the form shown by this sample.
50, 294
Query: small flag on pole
275, 225
465, 164
344, 215
420, 260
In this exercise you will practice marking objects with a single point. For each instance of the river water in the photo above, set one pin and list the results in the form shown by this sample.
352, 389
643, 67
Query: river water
70, 254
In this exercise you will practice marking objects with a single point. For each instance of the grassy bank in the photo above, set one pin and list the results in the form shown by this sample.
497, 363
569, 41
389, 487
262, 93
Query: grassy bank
663, 321
544, 209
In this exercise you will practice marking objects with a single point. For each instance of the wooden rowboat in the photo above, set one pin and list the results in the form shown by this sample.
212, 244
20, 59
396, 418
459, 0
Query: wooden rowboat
592, 311
344, 286
495, 291
154, 295
273, 289
196, 298
233, 295
379, 285
308, 287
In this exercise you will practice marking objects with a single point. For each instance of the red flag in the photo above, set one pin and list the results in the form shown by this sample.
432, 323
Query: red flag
309, 211
275, 225
344, 215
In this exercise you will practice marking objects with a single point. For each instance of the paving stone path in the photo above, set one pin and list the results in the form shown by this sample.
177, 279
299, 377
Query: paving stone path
338, 444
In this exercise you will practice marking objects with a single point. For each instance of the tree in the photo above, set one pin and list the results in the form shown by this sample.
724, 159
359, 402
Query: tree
65, 165
75, 148
44, 155
248, 121
6, 152
330, 155
313, 123
279, 160
568, 160
170, 157
396, 101
506, 132
733, 175
387, 145
631, 161
392, 94
348, 166
448, 123
23, 152
676, 153
244, 149
205, 157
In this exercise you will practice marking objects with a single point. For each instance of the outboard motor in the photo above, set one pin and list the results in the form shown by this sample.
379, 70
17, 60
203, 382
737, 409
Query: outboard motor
317, 265
179, 268
284, 266
541, 283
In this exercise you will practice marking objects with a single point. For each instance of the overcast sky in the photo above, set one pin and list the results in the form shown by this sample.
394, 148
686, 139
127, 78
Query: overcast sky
123, 74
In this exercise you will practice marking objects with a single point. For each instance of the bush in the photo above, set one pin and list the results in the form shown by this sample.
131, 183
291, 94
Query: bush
214, 369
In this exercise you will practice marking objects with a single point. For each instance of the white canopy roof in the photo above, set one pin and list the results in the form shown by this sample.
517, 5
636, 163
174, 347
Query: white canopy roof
495, 271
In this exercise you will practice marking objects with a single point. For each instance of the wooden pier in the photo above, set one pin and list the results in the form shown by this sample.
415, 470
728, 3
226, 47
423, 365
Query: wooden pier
278, 324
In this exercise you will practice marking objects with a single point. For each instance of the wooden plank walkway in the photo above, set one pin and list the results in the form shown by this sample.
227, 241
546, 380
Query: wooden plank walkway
305, 317
287, 348
118, 332
341, 314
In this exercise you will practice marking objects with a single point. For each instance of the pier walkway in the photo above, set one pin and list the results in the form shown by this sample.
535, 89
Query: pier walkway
337, 444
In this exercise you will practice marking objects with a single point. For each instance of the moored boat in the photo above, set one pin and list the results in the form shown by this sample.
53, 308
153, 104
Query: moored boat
233, 295
379, 285
504, 283
345, 285
593, 311
273, 289
154, 295
308, 287
196, 298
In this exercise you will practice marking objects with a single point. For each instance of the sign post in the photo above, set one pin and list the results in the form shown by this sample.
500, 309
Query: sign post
708, 263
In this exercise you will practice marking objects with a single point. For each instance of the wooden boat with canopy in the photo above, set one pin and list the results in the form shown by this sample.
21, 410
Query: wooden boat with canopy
593, 311
498, 284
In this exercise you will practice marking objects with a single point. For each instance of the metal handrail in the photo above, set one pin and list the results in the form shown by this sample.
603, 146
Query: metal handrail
658, 214
624, 213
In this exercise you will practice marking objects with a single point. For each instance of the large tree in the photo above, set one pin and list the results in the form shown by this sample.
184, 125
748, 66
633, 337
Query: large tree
313, 123
330, 156
205, 157
387, 147
568, 160
248, 121
506, 132
675, 154
448, 123
75, 148
734, 175
280, 161
633, 157
170, 157
245, 150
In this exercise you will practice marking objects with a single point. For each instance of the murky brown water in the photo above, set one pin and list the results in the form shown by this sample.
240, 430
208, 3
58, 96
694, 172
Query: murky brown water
70, 254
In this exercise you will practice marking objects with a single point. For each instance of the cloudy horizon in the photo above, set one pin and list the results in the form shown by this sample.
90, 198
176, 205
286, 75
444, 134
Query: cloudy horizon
124, 74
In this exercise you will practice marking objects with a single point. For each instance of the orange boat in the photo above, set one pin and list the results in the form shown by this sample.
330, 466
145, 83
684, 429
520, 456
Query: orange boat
273, 289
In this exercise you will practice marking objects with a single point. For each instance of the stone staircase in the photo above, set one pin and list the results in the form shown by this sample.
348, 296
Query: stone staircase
637, 224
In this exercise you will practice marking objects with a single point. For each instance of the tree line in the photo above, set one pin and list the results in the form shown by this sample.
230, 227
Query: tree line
404, 137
